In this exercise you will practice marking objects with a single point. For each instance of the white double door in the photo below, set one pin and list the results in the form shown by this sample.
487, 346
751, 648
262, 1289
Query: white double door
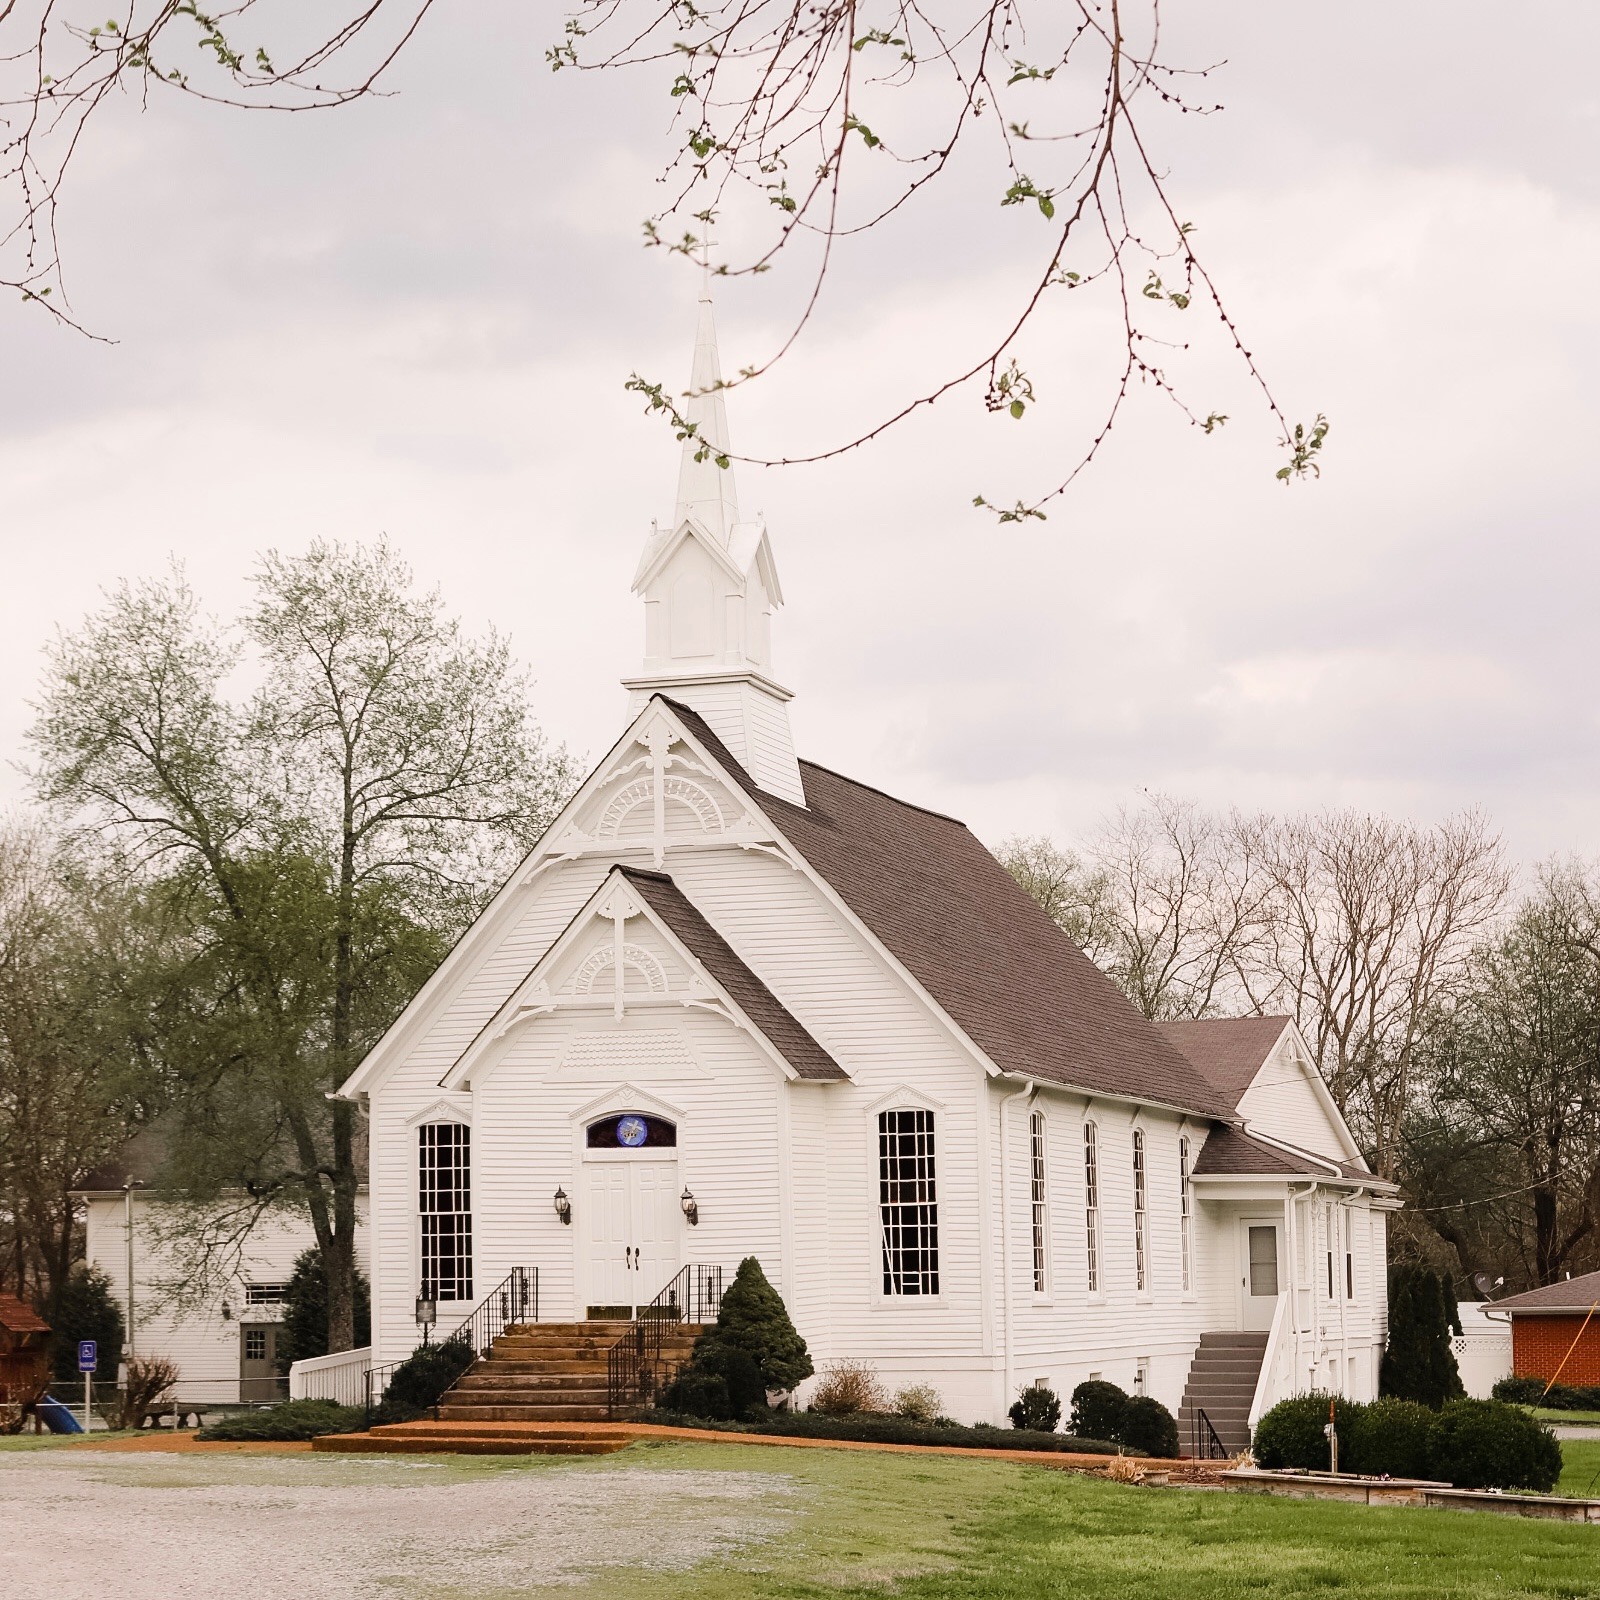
631, 1229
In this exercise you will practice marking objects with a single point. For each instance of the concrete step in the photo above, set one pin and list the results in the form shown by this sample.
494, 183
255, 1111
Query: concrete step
555, 1412
528, 1383
465, 1445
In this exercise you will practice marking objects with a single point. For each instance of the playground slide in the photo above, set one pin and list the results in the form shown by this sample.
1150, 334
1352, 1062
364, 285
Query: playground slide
57, 1417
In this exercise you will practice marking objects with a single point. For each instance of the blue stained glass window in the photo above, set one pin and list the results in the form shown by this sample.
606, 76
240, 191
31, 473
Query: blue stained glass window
632, 1130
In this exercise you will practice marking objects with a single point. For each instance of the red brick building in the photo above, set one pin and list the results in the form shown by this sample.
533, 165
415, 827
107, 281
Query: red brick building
1556, 1324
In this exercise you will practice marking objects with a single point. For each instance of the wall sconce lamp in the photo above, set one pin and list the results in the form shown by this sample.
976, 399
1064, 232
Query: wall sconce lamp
427, 1314
691, 1206
227, 1312
563, 1207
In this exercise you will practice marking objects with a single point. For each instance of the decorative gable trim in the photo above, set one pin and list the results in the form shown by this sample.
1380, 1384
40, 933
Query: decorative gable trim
443, 1111
627, 1097
904, 1097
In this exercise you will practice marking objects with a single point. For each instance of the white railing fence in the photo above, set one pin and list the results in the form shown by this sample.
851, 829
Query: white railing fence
341, 1377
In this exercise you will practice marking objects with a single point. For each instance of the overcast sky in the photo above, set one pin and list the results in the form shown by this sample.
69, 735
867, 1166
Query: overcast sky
415, 316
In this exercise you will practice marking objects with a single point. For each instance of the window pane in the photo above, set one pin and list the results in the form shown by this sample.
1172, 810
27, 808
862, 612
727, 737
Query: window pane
1264, 1261
908, 1202
1036, 1186
444, 1198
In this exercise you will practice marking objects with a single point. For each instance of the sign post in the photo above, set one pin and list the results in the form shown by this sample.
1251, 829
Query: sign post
88, 1360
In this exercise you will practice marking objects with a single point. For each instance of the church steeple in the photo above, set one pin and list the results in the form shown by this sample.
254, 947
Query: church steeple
710, 587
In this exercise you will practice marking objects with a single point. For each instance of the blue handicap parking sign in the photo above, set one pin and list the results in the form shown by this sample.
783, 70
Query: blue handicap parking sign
88, 1355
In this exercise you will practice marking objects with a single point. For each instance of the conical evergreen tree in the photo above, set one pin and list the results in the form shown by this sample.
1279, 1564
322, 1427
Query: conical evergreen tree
753, 1319
1418, 1362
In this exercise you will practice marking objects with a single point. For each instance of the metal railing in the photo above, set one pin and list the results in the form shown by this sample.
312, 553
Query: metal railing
512, 1301
1205, 1444
635, 1370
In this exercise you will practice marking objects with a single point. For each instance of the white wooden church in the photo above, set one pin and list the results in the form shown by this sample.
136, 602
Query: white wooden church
736, 1004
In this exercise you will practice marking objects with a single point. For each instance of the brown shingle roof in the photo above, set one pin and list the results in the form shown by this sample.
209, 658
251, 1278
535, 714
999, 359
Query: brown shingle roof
1227, 1051
1233, 1152
1572, 1294
975, 940
18, 1317
749, 993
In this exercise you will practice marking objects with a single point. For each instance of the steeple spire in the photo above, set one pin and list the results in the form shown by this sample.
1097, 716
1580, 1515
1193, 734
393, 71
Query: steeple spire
706, 492
710, 587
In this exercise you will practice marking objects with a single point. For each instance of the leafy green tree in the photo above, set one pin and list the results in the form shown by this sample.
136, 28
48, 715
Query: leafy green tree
304, 1331
317, 840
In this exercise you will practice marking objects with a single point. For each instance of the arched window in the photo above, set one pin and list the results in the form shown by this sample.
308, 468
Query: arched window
908, 1202
1141, 1273
444, 1200
632, 1130
1036, 1190
1091, 1202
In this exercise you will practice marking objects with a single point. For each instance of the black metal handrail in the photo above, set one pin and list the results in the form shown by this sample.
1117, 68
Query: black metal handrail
512, 1302
635, 1370
1207, 1446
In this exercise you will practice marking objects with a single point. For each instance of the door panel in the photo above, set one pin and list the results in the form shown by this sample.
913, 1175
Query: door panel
607, 1246
657, 1226
1259, 1271
258, 1363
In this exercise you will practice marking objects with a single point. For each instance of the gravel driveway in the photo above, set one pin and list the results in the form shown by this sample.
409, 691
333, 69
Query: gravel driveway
152, 1527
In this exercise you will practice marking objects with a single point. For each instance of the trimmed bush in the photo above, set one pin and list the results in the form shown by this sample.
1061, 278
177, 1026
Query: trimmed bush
1418, 1361
753, 1318
1487, 1444
1561, 1396
420, 1381
294, 1419
890, 1430
1148, 1428
1037, 1409
1388, 1438
1097, 1408
1290, 1434
721, 1381
698, 1394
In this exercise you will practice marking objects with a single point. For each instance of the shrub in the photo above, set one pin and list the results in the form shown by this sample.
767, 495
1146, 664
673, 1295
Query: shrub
698, 1394
753, 1318
1148, 1428
1290, 1434
420, 1381
1560, 1396
847, 1389
721, 1381
1097, 1408
1486, 1444
294, 1419
84, 1308
1418, 1361
148, 1381
1037, 1409
887, 1429
1388, 1438
304, 1330
918, 1402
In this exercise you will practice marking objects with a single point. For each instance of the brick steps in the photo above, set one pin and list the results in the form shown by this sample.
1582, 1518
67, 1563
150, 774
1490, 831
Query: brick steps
1222, 1383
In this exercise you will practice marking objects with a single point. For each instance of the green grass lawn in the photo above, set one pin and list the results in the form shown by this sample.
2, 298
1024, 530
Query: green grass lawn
961, 1530
1580, 1468
1576, 1418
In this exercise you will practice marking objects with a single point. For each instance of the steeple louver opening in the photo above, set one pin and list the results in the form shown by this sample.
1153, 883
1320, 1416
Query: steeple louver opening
710, 586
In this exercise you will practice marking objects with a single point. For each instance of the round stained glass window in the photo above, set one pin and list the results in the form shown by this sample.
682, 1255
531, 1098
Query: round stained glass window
632, 1131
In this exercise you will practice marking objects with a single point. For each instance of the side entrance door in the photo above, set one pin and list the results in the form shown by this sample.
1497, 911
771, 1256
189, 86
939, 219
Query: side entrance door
1259, 1273
630, 1229
259, 1381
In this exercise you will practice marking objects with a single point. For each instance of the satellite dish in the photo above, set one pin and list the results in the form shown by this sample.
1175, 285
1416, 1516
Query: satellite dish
1482, 1283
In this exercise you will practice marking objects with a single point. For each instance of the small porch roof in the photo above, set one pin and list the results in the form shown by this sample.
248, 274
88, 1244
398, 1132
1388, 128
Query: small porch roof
1232, 1153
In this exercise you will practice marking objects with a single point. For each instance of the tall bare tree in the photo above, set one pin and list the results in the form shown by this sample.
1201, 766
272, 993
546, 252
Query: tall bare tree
1073, 894
319, 838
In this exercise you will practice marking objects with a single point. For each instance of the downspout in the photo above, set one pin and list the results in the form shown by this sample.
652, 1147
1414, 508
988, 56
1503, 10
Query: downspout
1024, 1093
1294, 1275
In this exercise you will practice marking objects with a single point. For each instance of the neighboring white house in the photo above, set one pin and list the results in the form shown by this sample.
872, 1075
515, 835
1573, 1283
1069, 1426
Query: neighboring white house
223, 1341
736, 1004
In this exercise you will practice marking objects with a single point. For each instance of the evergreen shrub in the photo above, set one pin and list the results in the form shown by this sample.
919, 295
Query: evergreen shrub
1097, 1408
885, 1428
1418, 1361
1561, 1396
1486, 1444
1388, 1438
1148, 1428
1290, 1434
84, 1308
304, 1330
1037, 1409
294, 1419
420, 1381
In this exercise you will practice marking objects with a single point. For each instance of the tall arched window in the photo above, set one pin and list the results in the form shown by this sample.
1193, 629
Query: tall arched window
444, 1200
1141, 1272
1036, 1188
908, 1202
1091, 1202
